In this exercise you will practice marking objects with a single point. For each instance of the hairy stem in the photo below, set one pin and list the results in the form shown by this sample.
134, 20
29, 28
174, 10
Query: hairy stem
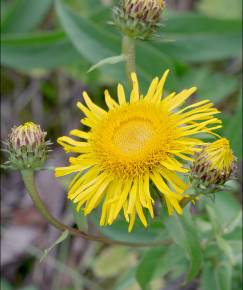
29, 181
128, 50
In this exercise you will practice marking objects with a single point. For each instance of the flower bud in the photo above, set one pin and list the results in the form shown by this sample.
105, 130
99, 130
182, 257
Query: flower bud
27, 147
213, 165
138, 18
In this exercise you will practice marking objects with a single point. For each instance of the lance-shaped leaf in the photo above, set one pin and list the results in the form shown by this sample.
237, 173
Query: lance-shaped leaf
185, 235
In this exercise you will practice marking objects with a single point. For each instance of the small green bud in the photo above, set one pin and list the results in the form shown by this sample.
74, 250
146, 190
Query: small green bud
27, 147
138, 18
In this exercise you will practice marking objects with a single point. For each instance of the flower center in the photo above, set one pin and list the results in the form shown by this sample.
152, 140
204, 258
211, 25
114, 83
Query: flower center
133, 135
133, 139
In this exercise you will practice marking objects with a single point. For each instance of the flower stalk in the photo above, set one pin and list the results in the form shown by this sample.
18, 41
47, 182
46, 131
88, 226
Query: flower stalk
29, 181
128, 50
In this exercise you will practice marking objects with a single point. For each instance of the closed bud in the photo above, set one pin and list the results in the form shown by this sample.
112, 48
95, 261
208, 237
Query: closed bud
138, 18
213, 165
27, 147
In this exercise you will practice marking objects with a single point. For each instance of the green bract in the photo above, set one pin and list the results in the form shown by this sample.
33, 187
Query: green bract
27, 147
138, 18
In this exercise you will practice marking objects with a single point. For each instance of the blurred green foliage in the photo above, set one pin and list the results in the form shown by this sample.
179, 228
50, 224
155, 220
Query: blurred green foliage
201, 48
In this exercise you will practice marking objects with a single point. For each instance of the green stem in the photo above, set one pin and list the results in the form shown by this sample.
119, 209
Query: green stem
29, 181
128, 50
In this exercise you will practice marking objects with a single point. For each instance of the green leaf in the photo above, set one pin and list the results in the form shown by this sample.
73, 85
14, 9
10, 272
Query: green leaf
215, 86
118, 231
80, 218
196, 37
173, 256
43, 50
226, 207
93, 43
236, 246
191, 22
226, 248
199, 38
121, 257
221, 8
213, 217
61, 238
201, 48
24, 15
207, 280
147, 267
84, 7
96, 42
234, 223
126, 280
233, 130
185, 236
223, 276
108, 60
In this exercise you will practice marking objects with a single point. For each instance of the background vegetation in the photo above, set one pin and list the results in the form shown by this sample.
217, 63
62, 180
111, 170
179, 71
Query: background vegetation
47, 48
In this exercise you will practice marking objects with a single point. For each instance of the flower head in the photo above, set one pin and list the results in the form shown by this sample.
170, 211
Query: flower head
134, 143
138, 18
214, 164
27, 146
144, 10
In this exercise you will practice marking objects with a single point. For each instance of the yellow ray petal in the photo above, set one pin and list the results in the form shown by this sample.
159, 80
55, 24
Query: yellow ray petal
180, 98
135, 91
173, 164
141, 193
178, 185
89, 191
164, 189
62, 171
149, 199
133, 196
123, 197
81, 185
115, 189
132, 220
159, 91
169, 206
111, 104
67, 140
93, 107
87, 112
92, 203
152, 89
121, 94
87, 122
140, 212
80, 134
126, 215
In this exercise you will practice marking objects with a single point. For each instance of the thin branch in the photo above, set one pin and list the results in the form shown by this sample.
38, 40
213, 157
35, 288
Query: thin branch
29, 181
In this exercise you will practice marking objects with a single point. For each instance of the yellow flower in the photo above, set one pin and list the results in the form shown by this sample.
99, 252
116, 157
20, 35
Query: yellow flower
133, 143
